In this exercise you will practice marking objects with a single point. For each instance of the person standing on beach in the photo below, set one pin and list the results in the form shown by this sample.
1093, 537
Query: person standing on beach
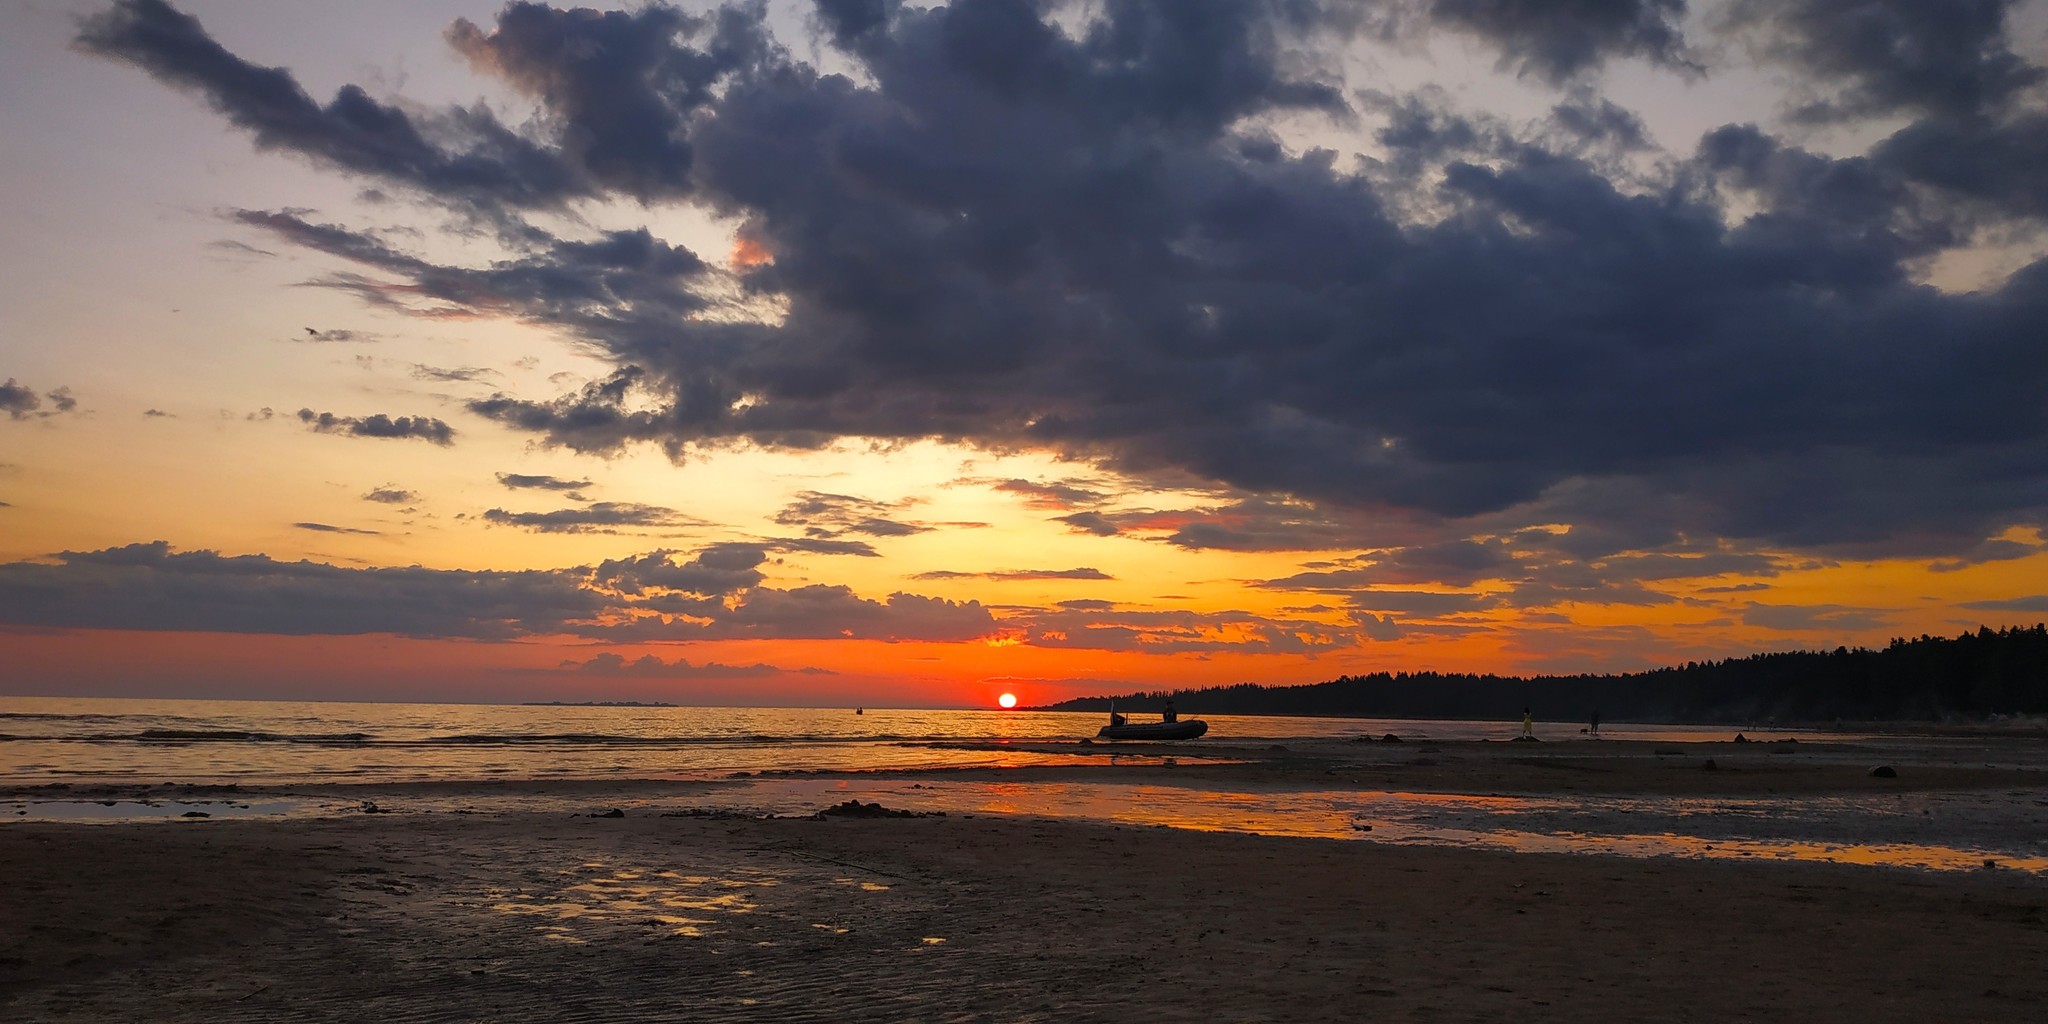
1595, 723
1528, 725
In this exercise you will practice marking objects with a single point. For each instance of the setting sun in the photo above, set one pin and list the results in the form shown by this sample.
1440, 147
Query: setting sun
1008, 700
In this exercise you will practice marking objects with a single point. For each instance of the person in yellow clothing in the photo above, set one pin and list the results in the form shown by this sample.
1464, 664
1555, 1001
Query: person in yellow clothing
1528, 725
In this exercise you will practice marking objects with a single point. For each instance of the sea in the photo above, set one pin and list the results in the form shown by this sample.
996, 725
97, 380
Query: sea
105, 760
106, 740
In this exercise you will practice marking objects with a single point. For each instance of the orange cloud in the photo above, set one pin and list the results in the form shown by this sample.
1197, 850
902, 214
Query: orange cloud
748, 253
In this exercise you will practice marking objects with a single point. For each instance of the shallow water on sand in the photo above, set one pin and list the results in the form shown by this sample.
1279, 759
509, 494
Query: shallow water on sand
1935, 831
1938, 831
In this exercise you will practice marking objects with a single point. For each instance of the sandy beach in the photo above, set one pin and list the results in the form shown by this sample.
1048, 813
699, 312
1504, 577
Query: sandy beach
514, 903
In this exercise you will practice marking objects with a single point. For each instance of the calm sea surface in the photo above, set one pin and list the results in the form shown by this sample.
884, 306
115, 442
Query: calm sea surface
88, 739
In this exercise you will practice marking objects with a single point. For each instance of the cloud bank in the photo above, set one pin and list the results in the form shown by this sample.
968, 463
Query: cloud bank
1075, 228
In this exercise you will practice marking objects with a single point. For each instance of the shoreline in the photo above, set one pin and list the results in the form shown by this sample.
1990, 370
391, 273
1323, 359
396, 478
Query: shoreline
1416, 886
531, 917
1608, 766
1938, 806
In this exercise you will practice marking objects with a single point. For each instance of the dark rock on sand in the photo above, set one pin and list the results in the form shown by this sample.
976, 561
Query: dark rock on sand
1709, 766
714, 813
1884, 771
1390, 738
856, 809
613, 813
195, 814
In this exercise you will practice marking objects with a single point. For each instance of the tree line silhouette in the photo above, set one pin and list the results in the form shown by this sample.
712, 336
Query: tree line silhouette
1973, 676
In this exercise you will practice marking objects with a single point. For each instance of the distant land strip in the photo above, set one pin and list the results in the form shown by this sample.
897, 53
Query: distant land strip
1983, 676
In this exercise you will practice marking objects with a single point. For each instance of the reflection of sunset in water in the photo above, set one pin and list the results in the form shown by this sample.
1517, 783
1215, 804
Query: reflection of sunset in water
1934, 831
598, 895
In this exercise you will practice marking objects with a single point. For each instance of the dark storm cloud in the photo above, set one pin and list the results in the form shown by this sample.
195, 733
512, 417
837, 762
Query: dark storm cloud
337, 336
830, 515
598, 517
1978, 134
462, 153
20, 402
1536, 571
1162, 632
1816, 617
379, 425
649, 666
2036, 603
1420, 603
150, 587
1598, 122
1951, 58
1057, 496
811, 613
327, 528
1554, 40
1006, 575
620, 84
1082, 237
540, 482
1091, 522
817, 546
621, 278
1989, 551
1995, 162
665, 595
454, 374
718, 569
1260, 524
1459, 563
1246, 524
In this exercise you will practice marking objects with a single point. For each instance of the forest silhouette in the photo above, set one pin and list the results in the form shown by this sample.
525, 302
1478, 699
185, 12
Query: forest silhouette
1978, 676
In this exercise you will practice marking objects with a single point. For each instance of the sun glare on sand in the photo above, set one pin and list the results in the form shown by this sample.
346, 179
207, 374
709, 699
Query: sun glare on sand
1008, 700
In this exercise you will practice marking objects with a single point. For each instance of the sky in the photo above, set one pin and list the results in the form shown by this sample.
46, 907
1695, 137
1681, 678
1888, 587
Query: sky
865, 353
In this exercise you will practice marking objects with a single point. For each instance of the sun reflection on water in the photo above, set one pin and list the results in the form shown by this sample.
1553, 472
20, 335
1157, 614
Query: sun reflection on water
596, 894
1935, 831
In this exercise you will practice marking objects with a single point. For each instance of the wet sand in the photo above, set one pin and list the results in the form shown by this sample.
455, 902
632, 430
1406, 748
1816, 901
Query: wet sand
512, 914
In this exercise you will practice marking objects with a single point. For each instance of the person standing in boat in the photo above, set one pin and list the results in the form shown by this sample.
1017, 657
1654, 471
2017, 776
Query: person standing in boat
1171, 714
